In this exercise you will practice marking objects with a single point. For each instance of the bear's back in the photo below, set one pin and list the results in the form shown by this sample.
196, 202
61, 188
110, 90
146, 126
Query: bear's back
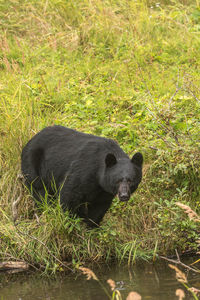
59, 147
72, 142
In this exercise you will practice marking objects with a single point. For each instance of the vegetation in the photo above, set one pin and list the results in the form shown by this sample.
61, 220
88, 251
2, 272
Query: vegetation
116, 295
128, 70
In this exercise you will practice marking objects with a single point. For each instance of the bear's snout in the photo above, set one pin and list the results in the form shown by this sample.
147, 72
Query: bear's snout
124, 191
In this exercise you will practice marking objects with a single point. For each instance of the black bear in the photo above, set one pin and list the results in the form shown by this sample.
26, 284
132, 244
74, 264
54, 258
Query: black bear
87, 170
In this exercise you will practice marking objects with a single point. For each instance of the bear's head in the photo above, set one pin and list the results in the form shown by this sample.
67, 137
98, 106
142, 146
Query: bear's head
122, 175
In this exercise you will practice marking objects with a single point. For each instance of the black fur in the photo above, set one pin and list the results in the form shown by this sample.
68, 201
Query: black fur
89, 171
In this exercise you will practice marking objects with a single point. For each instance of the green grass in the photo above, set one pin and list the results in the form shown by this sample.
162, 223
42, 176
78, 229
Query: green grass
128, 70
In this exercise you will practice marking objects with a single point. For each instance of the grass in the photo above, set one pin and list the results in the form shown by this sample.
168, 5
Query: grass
128, 70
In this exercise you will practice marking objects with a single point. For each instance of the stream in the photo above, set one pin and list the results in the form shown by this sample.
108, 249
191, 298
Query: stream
152, 281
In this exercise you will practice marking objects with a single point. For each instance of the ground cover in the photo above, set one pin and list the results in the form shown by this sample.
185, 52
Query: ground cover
128, 70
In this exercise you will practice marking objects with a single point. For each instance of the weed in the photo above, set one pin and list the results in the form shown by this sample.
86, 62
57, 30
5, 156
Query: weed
121, 69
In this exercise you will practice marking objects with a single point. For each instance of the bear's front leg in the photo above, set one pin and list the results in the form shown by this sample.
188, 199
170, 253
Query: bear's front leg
98, 208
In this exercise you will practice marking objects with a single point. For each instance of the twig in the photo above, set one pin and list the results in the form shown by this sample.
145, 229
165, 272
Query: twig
172, 97
15, 206
153, 148
194, 96
179, 262
15, 203
17, 259
188, 90
155, 117
177, 255
165, 141
42, 243
17, 265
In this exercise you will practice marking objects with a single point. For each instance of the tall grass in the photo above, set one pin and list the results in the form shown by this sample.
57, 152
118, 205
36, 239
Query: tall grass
121, 69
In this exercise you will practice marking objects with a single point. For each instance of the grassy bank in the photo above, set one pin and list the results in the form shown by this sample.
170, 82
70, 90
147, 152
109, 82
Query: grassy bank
128, 70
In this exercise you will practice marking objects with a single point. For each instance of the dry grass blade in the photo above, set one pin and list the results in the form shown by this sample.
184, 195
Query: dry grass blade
194, 290
133, 296
191, 214
196, 261
89, 273
180, 276
15, 206
15, 203
111, 284
180, 293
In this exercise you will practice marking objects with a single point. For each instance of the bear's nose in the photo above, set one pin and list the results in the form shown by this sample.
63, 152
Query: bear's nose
124, 191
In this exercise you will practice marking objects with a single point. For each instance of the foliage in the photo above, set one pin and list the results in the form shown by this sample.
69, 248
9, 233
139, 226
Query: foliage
128, 70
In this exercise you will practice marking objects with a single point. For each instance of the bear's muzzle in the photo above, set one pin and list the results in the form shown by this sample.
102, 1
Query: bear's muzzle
124, 191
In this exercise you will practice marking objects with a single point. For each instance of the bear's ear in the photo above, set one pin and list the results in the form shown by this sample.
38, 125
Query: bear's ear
110, 160
137, 159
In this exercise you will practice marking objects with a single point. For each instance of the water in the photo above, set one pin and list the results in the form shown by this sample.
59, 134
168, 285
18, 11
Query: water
151, 281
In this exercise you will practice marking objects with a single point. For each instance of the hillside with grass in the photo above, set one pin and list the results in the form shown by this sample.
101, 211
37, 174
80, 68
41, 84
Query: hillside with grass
126, 70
